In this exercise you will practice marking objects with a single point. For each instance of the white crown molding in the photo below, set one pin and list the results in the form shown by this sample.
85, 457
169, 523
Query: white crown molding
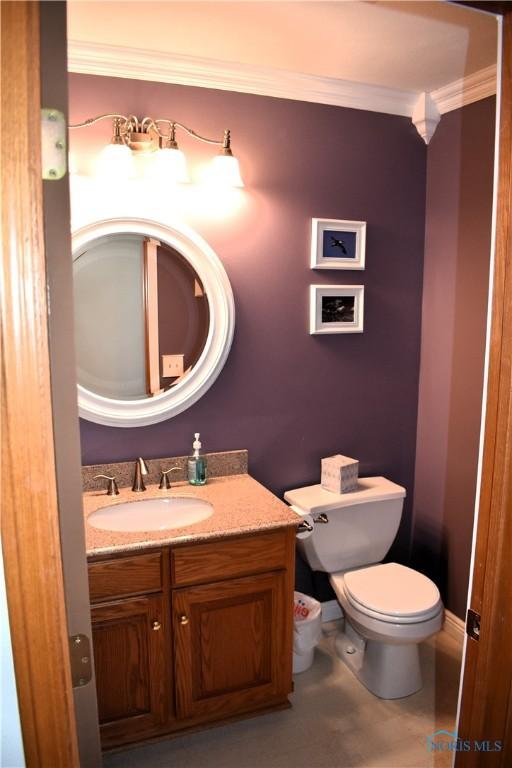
465, 91
425, 116
138, 64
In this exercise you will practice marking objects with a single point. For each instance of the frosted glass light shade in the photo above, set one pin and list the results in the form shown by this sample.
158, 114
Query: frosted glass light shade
224, 171
170, 166
116, 163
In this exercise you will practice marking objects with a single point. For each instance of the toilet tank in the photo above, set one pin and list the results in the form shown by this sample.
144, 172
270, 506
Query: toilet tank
362, 523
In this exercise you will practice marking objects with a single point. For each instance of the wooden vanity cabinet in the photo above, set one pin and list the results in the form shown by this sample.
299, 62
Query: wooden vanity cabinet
131, 640
186, 635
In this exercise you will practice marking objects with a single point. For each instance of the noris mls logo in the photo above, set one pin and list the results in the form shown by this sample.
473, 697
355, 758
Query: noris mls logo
448, 741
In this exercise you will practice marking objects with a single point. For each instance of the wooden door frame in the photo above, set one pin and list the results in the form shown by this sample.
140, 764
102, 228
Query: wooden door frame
486, 703
30, 520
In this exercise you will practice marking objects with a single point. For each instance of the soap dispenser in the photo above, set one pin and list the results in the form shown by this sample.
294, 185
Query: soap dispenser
197, 464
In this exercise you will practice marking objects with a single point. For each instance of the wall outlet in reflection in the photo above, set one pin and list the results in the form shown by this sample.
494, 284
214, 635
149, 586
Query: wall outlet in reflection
172, 366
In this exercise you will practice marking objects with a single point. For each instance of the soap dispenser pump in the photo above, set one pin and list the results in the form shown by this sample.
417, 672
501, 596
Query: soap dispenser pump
197, 464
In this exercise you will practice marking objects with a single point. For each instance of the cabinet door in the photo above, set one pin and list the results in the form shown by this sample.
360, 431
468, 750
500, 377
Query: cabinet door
232, 646
130, 642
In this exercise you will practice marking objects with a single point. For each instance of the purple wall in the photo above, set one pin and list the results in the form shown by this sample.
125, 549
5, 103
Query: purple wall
457, 251
289, 397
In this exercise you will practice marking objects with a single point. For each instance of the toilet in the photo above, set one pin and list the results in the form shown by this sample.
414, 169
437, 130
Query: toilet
388, 608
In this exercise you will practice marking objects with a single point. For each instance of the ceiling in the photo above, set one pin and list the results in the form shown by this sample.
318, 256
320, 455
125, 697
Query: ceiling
411, 46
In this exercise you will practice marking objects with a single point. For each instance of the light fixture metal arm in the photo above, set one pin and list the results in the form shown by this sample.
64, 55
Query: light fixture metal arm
147, 123
92, 120
175, 124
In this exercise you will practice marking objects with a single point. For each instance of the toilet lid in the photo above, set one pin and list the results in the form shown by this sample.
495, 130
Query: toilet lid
392, 590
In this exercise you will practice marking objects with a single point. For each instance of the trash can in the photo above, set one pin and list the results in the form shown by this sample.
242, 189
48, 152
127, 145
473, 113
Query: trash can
307, 619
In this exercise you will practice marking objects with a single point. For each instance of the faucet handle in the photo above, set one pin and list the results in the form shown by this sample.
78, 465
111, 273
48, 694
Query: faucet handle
165, 483
112, 489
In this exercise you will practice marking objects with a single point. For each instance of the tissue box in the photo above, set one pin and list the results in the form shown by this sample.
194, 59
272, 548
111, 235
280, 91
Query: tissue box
339, 474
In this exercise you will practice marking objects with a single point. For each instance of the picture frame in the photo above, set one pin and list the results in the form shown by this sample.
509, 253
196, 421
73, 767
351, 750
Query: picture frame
336, 309
338, 244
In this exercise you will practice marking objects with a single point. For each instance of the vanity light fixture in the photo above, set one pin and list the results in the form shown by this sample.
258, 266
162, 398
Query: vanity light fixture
158, 137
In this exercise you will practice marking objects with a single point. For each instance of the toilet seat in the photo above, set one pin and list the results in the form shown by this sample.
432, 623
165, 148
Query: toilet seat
389, 592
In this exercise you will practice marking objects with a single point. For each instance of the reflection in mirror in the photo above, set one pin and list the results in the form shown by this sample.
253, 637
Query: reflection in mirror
141, 316
155, 317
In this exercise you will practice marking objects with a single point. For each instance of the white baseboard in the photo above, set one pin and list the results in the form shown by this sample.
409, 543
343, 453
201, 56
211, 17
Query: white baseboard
331, 610
454, 626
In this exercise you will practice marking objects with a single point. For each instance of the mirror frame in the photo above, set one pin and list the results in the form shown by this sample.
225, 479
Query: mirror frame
203, 259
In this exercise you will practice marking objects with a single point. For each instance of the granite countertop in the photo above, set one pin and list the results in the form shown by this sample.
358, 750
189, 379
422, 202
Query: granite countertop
241, 505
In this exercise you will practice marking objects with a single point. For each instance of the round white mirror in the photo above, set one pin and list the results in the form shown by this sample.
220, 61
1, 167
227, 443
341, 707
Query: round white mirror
154, 320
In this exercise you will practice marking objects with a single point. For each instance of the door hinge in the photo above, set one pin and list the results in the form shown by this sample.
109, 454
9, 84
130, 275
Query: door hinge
473, 624
53, 145
80, 656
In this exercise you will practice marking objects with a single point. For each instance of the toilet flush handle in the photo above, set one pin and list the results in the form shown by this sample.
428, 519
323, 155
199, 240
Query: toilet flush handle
322, 518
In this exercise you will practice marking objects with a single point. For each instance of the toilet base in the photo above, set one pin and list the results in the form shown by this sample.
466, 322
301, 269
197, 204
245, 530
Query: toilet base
388, 670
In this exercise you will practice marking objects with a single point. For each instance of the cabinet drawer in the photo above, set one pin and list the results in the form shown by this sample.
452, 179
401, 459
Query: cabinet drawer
200, 563
124, 576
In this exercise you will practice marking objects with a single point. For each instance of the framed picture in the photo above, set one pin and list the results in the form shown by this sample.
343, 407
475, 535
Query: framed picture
336, 308
337, 244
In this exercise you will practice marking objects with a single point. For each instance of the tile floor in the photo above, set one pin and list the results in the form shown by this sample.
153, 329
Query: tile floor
334, 723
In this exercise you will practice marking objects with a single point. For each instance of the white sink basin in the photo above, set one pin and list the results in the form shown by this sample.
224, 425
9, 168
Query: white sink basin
151, 514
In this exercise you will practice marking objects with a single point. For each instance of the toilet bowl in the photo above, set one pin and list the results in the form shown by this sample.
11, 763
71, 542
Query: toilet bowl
388, 608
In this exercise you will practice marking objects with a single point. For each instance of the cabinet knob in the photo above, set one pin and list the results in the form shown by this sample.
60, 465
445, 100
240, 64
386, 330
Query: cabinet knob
183, 619
156, 626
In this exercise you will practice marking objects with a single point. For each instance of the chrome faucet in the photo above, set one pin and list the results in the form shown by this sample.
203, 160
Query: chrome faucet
165, 483
141, 469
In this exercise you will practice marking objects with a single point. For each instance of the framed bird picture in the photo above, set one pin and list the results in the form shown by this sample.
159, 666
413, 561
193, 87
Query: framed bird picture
337, 244
336, 309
